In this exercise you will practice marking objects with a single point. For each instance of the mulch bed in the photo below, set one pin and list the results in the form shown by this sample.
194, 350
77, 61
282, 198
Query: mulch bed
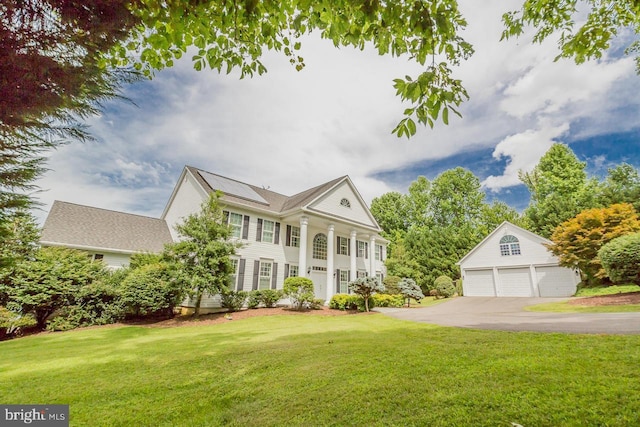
613, 299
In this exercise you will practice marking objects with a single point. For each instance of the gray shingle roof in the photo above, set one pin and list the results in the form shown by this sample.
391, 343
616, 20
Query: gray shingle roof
75, 225
276, 202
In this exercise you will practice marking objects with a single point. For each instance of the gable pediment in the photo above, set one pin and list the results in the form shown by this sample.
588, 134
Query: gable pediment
343, 201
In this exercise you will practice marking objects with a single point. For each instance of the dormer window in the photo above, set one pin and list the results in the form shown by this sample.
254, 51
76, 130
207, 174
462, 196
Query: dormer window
509, 245
345, 202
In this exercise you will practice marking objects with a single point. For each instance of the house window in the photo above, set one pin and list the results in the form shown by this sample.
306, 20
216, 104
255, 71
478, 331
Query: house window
361, 274
379, 253
343, 246
293, 271
345, 202
320, 246
267, 231
344, 281
235, 221
379, 277
265, 274
234, 275
363, 249
295, 237
509, 245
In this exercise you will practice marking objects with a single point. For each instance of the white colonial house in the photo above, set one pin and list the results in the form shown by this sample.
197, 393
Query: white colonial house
325, 233
514, 262
105, 235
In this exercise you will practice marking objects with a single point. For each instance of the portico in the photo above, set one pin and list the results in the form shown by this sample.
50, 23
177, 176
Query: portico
323, 255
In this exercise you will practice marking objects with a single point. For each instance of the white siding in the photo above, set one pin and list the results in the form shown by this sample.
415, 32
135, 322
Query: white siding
556, 281
330, 204
514, 282
478, 283
187, 199
532, 251
189, 196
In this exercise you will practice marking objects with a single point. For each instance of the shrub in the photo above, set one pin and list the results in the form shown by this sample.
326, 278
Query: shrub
50, 281
366, 287
270, 297
343, 302
151, 290
386, 300
299, 290
621, 259
444, 286
254, 299
409, 289
96, 304
12, 323
233, 300
316, 304
391, 285
576, 242
458, 285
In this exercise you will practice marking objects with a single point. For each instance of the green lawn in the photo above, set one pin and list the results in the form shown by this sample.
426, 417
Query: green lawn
565, 307
607, 290
364, 369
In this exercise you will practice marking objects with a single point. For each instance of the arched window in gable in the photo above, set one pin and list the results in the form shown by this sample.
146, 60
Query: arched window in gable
509, 245
320, 246
345, 202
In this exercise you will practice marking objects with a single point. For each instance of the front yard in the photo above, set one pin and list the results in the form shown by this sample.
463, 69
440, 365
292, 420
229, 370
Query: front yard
601, 299
364, 369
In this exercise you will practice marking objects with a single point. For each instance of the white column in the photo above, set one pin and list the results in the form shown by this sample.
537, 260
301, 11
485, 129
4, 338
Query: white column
372, 256
302, 256
353, 267
330, 252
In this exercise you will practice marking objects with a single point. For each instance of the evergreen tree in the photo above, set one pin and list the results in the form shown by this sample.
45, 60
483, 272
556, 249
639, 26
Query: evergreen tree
559, 190
202, 256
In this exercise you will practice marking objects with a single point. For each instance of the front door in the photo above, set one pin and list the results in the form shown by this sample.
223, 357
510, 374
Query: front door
319, 279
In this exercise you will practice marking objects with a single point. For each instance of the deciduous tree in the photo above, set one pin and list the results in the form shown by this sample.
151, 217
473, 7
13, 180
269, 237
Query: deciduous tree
600, 22
233, 35
576, 241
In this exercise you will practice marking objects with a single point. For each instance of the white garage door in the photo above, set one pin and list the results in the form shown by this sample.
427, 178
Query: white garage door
478, 283
555, 281
514, 282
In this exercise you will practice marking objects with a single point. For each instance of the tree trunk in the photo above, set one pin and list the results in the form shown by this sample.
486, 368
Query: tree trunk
196, 311
366, 304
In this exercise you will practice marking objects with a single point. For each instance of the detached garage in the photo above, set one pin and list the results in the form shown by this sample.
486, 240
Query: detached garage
514, 262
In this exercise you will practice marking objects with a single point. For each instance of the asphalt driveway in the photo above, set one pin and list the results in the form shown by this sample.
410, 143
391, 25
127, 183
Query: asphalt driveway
507, 314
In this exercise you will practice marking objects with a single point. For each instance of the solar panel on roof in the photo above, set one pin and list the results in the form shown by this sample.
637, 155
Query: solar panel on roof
231, 187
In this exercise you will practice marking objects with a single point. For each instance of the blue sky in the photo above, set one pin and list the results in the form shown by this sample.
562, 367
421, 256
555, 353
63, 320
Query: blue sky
291, 130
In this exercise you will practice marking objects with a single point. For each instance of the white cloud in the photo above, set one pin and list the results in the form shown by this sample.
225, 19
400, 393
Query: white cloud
524, 150
292, 130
